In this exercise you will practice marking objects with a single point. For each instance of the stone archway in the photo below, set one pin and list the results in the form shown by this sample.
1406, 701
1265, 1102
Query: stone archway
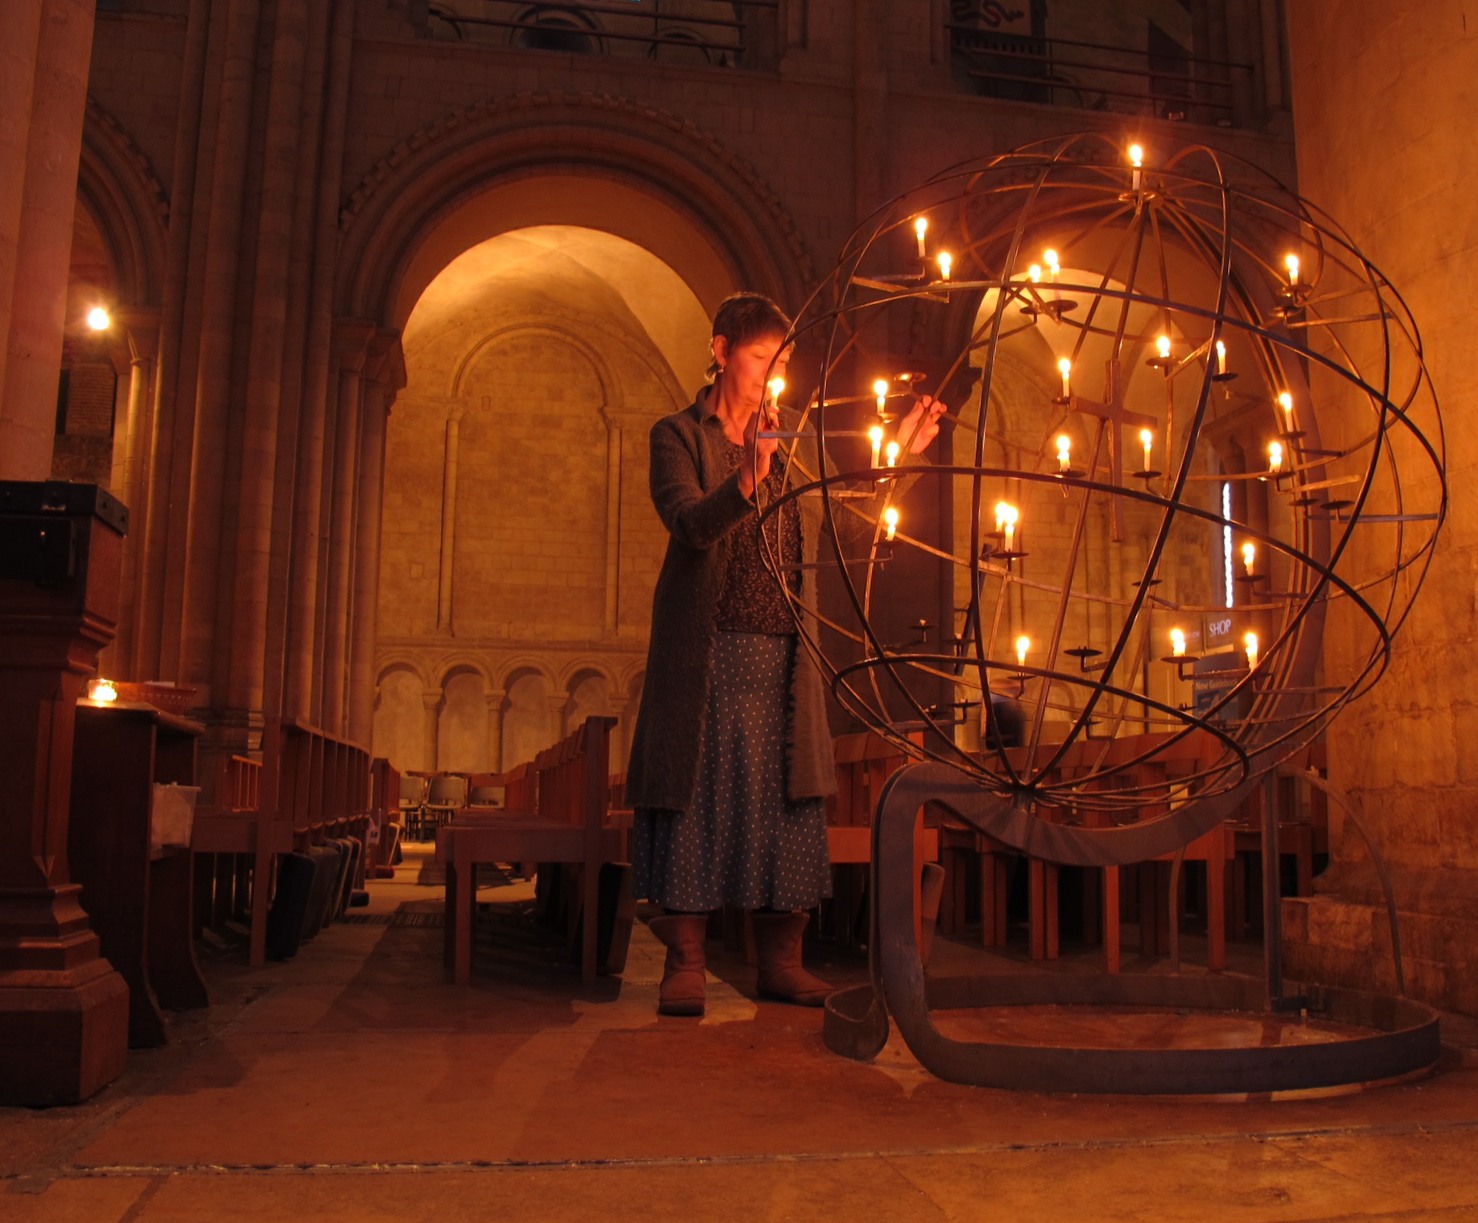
583, 160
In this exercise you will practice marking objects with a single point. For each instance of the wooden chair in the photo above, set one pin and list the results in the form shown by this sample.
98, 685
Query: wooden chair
411, 802
1303, 836
445, 796
570, 825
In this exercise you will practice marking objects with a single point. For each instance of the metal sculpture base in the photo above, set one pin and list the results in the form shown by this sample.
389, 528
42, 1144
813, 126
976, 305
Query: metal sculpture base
1394, 1038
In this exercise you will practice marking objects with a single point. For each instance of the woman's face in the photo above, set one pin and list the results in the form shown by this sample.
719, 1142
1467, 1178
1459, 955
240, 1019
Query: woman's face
748, 367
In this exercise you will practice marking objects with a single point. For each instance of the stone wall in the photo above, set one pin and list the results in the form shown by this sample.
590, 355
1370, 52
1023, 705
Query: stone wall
1383, 97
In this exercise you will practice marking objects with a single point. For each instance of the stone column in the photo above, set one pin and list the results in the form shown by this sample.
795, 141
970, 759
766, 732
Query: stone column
497, 699
162, 502
431, 707
384, 375
276, 230
620, 733
449, 519
63, 1010
352, 346
300, 636
611, 618
202, 610
557, 703
130, 465
45, 50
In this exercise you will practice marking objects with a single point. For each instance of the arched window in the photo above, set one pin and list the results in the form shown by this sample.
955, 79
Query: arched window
543, 28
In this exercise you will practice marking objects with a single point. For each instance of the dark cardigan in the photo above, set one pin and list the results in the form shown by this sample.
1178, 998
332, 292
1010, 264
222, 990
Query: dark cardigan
700, 504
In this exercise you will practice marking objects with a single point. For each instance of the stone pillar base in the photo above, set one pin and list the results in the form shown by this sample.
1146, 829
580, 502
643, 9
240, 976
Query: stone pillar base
63, 1032
1338, 941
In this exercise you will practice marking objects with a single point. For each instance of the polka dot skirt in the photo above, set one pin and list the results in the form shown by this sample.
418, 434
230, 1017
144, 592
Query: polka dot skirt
741, 842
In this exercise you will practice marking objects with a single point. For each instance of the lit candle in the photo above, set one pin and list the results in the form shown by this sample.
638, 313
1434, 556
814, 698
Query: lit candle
1034, 273
920, 228
776, 386
1006, 519
1049, 257
946, 261
875, 435
1136, 159
1249, 642
1023, 644
1249, 556
1065, 368
892, 453
1177, 643
1147, 440
1221, 357
1162, 347
880, 389
890, 522
1064, 452
101, 690
1275, 456
1285, 401
1291, 263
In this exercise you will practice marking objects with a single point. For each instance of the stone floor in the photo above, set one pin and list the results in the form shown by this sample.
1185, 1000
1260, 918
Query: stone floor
355, 1083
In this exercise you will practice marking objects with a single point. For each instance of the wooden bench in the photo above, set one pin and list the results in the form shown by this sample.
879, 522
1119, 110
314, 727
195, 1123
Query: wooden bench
568, 824
307, 787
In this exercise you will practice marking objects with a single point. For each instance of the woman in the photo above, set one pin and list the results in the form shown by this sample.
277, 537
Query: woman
731, 758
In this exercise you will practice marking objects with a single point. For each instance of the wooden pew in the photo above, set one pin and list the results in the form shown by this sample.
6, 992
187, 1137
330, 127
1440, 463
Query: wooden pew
864, 762
308, 786
569, 824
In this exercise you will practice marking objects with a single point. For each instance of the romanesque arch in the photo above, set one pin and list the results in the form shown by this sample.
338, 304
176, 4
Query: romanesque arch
637, 172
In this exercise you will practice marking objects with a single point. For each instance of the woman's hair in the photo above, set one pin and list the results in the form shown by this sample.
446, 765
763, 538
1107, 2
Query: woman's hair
743, 317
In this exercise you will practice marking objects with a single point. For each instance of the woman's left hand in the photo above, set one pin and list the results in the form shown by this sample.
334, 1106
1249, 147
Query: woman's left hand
921, 425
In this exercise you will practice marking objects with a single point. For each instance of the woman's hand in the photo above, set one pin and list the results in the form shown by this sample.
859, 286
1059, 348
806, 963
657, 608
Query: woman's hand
755, 465
921, 425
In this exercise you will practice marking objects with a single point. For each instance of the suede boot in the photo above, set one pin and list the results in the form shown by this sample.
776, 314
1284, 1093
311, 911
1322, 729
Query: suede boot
681, 992
777, 946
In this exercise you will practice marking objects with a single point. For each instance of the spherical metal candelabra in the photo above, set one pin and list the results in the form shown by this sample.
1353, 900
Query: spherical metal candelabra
1195, 483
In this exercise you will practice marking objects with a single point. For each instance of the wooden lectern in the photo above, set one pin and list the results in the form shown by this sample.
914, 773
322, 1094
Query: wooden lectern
63, 1010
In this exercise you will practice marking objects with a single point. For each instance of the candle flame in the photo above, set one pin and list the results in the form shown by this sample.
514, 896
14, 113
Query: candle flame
98, 318
1064, 366
1249, 643
946, 261
875, 435
1023, 644
1275, 456
1249, 556
1049, 257
1006, 515
1291, 262
1136, 156
1285, 401
1162, 346
1177, 642
880, 388
1034, 273
776, 386
101, 690
890, 522
921, 227
892, 453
